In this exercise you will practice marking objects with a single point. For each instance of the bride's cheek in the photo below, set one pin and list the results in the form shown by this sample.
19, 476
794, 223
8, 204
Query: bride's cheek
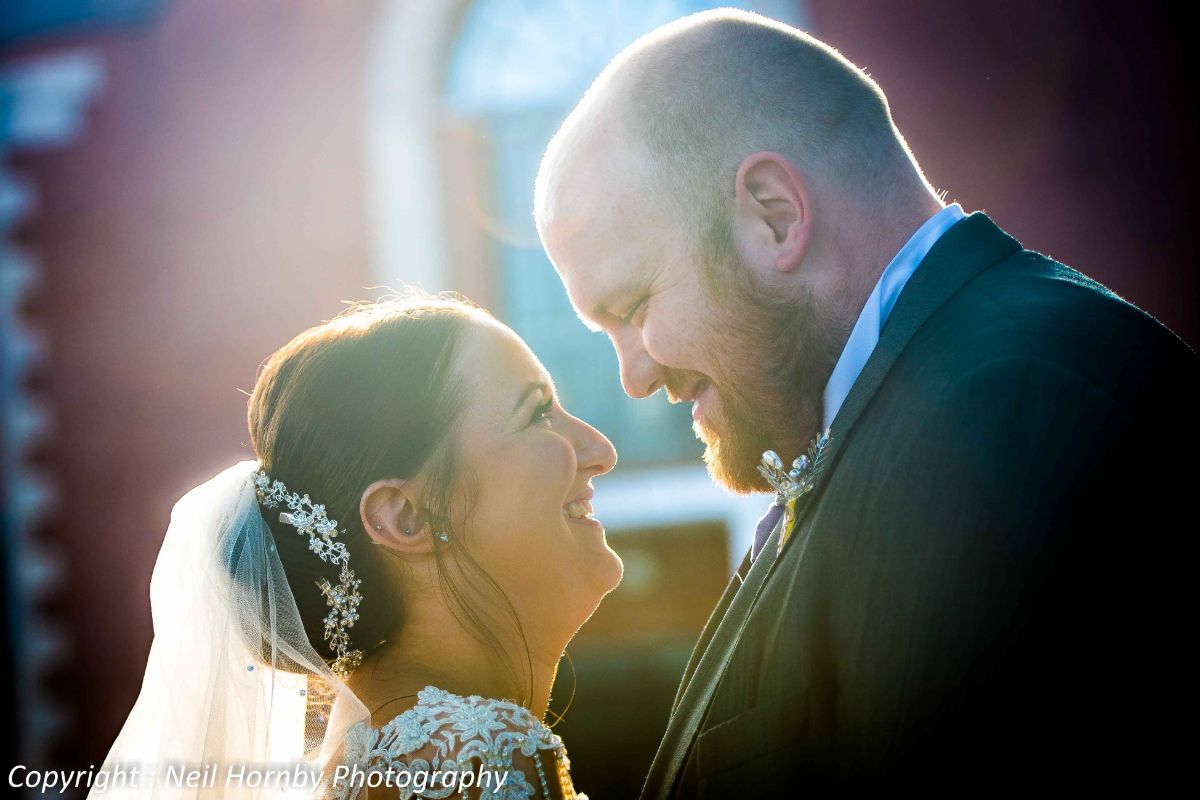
564, 456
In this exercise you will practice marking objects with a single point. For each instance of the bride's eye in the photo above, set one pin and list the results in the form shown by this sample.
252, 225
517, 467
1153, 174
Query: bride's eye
541, 414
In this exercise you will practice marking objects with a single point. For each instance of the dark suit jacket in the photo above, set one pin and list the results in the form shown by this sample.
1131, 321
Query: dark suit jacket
986, 588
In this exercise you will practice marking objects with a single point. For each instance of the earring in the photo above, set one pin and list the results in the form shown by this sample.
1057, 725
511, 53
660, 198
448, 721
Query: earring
378, 527
443, 536
408, 531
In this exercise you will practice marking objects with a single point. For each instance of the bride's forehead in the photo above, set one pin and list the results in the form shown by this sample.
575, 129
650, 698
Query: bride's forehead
492, 354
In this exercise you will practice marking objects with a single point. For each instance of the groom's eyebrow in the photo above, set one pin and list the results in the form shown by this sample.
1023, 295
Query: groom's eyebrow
600, 311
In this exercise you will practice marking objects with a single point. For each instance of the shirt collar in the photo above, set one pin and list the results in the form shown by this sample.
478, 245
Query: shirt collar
865, 334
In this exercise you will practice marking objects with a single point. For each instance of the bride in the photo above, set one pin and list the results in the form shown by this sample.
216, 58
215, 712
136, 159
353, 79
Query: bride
377, 605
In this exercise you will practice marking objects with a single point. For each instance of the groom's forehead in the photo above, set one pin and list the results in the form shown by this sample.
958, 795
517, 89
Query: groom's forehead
601, 227
601, 236
597, 180
588, 248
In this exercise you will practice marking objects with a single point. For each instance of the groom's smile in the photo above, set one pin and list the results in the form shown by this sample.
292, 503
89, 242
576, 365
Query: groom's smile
698, 391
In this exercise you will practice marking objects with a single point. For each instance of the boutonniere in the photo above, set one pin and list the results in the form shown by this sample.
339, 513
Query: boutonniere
793, 484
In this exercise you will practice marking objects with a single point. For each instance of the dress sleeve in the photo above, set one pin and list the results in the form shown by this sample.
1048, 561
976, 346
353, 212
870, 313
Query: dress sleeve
493, 748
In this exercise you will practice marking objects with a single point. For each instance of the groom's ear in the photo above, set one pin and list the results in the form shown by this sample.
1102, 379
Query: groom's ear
771, 212
391, 517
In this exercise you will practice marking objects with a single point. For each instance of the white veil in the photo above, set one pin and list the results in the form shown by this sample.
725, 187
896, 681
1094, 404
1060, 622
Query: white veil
233, 690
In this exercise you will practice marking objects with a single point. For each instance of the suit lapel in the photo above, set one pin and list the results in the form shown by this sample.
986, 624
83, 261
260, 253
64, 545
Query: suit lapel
966, 249
693, 698
710, 627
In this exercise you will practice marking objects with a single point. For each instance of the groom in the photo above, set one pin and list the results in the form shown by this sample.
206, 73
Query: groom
986, 585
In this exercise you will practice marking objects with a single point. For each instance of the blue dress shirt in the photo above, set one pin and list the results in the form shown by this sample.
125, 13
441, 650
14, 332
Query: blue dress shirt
865, 334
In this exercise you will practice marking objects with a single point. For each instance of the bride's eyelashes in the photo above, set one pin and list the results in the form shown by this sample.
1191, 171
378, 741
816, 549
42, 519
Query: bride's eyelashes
541, 414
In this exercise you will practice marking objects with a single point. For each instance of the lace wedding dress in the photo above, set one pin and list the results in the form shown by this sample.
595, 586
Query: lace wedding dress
497, 742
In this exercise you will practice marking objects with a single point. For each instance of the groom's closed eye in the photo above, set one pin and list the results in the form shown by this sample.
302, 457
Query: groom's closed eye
605, 315
630, 315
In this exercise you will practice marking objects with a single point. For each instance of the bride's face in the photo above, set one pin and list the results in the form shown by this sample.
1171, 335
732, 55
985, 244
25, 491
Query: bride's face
532, 464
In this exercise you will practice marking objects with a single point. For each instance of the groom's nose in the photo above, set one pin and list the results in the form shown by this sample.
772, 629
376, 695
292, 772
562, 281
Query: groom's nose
641, 375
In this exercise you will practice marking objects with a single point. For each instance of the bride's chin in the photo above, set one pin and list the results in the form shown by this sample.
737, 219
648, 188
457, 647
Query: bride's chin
608, 571
597, 565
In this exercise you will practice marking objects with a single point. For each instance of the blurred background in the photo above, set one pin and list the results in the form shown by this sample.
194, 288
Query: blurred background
185, 184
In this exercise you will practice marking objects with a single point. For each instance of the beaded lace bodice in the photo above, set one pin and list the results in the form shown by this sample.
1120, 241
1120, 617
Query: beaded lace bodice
446, 733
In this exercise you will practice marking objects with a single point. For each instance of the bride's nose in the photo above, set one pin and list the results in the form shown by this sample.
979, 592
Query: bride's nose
593, 450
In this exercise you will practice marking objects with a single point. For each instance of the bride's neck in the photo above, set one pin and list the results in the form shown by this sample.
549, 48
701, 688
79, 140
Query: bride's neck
434, 648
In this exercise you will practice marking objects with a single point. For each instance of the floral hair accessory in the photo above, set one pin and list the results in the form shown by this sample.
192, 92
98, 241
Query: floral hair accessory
343, 597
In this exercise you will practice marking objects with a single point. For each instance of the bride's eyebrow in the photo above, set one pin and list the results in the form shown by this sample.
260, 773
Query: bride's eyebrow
530, 388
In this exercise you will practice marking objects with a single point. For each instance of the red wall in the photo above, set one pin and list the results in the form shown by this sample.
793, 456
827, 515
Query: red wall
213, 209
1069, 123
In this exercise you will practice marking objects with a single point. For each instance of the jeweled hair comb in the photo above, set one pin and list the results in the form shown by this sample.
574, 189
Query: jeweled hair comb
343, 597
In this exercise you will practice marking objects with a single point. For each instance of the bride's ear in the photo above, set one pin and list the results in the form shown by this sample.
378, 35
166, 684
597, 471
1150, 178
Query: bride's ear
391, 517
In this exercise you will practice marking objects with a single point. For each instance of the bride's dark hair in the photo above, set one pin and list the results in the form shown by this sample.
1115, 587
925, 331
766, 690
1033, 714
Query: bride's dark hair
370, 394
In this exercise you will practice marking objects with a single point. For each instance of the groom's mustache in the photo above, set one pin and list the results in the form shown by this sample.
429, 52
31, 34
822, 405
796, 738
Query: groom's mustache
680, 382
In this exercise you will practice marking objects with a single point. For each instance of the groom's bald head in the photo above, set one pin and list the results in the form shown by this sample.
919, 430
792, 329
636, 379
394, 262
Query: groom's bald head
699, 95
720, 204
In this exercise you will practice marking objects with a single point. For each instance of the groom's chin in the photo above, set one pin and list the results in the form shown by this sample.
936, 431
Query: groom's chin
735, 468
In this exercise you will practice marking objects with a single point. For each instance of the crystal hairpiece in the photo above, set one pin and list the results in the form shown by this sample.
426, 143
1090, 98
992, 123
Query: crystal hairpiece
343, 598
